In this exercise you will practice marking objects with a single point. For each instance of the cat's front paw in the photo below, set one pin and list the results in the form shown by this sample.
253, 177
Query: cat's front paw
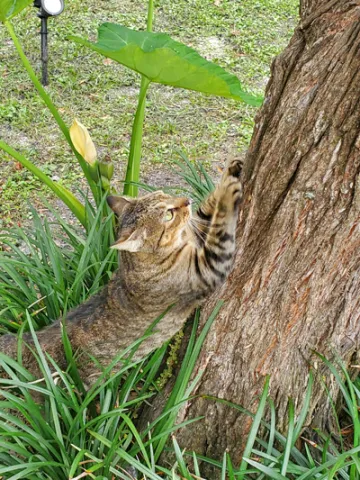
232, 183
235, 167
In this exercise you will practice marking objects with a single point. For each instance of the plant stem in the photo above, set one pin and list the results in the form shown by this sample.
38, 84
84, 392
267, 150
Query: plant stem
61, 192
150, 16
51, 106
133, 167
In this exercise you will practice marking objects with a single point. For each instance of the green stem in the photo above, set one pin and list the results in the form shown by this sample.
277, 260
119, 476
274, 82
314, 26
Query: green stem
150, 16
50, 106
60, 191
133, 168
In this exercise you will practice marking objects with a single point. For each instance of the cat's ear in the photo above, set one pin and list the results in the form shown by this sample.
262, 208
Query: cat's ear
133, 242
118, 204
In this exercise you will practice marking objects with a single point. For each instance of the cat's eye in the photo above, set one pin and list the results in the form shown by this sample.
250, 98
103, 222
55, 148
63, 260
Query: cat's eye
169, 215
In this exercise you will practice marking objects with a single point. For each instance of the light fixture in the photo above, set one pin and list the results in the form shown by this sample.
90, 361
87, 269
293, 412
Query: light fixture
53, 7
50, 8
47, 8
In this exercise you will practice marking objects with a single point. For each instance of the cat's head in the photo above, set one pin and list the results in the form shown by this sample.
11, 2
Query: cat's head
151, 223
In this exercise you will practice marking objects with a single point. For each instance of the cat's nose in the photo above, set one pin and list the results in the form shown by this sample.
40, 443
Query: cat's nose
187, 202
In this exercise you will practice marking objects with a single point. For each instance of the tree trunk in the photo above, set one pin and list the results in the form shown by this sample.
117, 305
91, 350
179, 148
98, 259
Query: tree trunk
295, 287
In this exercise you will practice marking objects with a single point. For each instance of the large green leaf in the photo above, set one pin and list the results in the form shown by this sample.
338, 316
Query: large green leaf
163, 60
9, 8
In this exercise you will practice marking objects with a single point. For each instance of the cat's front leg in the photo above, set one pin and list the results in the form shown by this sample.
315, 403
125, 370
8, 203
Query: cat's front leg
204, 215
229, 191
214, 260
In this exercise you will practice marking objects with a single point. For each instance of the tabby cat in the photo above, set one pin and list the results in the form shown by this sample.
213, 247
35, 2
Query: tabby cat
167, 257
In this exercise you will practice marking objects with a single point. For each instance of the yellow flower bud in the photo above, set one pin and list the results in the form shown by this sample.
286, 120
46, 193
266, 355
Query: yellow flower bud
82, 142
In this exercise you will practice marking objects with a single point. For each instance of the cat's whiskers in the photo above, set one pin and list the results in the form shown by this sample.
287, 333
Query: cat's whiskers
203, 233
205, 223
200, 220
205, 227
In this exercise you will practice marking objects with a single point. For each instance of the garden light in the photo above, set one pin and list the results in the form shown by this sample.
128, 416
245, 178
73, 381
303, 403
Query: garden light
52, 7
48, 8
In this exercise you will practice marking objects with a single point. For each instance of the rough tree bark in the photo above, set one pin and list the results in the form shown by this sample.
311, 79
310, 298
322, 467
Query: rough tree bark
295, 286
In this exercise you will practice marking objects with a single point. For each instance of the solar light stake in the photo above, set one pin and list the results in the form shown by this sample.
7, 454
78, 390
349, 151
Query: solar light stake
47, 8
44, 50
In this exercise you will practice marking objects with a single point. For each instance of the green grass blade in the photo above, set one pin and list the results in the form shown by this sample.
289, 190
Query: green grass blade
254, 429
180, 460
305, 408
270, 472
290, 438
60, 191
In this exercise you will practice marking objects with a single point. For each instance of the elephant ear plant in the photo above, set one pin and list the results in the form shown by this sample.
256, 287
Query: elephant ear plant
155, 56
160, 59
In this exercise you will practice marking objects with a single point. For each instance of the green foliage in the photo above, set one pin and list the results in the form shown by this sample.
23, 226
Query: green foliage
48, 276
274, 455
182, 389
65, 195
75, 206
95, 432
242, 37
160, 59
10, 8
92, 432
163, 60
198, 181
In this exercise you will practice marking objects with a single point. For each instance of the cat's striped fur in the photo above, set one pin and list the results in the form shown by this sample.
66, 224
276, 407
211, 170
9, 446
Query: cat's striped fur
167, 257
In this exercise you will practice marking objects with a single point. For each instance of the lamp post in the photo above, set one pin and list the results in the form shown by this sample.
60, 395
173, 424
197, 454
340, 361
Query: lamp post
47, 8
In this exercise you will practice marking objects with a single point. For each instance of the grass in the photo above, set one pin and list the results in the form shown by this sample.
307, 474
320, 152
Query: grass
76, 434
94, 434
51, 267
242, 36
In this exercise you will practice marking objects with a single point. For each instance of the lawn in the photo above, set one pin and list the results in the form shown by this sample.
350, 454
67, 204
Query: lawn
243, 37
